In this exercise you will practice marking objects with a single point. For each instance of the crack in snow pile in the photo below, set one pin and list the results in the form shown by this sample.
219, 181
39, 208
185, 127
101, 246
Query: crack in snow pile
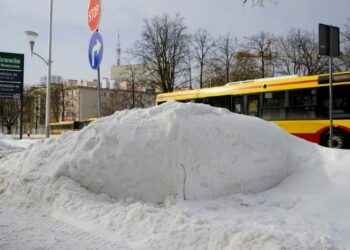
247, 184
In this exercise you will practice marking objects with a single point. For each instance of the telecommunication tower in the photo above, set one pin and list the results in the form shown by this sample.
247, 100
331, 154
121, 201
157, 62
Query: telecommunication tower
118, 51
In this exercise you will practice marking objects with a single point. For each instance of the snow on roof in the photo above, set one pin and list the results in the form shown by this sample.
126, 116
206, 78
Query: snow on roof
264, 79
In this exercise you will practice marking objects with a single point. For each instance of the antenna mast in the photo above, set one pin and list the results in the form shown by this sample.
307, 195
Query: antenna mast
118, 51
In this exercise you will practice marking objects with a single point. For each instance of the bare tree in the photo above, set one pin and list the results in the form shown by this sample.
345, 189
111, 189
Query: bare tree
34, 107
288, 62
28, 108
188, 64
259, 47
226, 49
9, 112
132, 81
136, 85
202, 44
244, 68
345, 42
137, 77
162, 49
213, 74
298, 54
58, 100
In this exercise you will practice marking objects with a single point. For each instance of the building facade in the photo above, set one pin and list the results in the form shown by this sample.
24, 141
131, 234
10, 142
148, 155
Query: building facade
82, 102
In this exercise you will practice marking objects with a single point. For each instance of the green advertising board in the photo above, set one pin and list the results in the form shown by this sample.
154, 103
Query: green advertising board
11, 75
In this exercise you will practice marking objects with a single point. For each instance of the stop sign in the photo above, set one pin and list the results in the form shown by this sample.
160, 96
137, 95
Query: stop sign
94, 14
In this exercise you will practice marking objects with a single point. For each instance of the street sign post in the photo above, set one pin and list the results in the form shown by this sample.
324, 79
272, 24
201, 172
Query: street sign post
95, 59
96, 44
95, 50
94, 14
328, 40
329, 46
11, 79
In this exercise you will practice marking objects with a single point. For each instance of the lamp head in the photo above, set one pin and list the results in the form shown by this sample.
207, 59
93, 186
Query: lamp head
32, 36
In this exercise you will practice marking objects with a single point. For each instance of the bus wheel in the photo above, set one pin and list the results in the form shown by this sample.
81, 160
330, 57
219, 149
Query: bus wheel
339, 140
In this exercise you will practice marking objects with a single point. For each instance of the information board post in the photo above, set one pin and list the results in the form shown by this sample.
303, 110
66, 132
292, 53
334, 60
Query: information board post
329, 46
21, 118
331, 99
11, 80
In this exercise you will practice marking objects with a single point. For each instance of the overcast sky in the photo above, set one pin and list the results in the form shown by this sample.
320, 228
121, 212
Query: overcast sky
71, 34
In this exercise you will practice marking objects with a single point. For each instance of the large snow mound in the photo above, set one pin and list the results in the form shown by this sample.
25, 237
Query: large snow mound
168, 150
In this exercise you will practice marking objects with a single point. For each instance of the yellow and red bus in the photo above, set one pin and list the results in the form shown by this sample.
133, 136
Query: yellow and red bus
299, 104
57, 128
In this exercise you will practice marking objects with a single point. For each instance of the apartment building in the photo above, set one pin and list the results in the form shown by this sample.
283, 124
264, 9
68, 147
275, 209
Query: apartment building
82, 102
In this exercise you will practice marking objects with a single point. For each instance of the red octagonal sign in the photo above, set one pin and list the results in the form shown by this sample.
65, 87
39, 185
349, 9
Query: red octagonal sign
94, 14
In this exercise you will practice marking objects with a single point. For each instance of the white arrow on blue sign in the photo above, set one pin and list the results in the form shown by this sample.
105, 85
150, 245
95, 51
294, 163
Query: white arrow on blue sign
95, 50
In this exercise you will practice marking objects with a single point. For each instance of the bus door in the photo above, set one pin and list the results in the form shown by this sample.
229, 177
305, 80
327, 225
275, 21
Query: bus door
253, 105
237, 104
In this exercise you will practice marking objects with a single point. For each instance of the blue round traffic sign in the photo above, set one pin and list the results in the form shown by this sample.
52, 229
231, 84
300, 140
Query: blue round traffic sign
95, 50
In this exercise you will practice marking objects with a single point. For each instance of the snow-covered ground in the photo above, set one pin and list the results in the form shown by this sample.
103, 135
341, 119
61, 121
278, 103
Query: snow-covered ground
8, 145
175, 176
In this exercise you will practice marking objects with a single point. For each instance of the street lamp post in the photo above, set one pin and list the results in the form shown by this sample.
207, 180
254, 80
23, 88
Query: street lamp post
32, 37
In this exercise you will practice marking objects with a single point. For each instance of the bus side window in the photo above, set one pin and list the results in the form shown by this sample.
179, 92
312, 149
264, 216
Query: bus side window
341, 102
274, 106
76, 125
253, 105
302, 104
237, 104
322, 109
199, 100
219, 101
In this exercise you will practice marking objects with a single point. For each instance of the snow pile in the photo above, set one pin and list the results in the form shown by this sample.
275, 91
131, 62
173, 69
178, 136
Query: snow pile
187, 150
135, 154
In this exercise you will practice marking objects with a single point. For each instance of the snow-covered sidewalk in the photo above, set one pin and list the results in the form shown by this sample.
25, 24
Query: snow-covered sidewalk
26, 225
